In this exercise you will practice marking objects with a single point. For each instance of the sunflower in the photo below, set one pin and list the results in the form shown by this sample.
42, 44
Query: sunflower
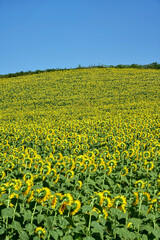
107, 202
2, 174
100, 197
108, 170
130, 225
112, 163
139, 184
105, 212
136, 198
145, 197
56, 178
40, 232
77, 206
96, 210
45, 171
146, 154
12, 196
62, 208
42, 195
134, 167
26, 187
93, 167
68, 199
106, 193
69, 174
54, 201
120, 202
152, 205
28, 177
9, 165
148, 165
53, 172
79, 183
124, 171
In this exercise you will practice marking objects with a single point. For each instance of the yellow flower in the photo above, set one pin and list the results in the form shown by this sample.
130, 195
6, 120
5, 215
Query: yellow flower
139, 184
105, 212
42, 195
40, 232
100, 197
30, 196
112, 163
54, 202
108, 170
57, 178
106, 193
136, 200
80, 184
69, 174
2, 174
120, 202
107, 202
134, 167
62, 208
26, 188
124, 171
130, 225
28, 177
78, 205
146, 197
149, 165
153, 203
11, 196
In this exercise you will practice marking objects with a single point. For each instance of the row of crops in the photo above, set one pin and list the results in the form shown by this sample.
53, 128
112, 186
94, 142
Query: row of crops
80, 155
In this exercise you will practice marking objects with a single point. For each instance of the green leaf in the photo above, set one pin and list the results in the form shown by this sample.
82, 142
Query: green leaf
136, 222
88, 238
97, 228
36, 238
86, 208
40, 218
23, 235
54, 234
7, 212
102, 221
2, 230
144, 237
60, 233
67, 237
156, 233
30, 228
16, 225
27, 215
147, 227
91, 182
122, 215
39, 208
124, 233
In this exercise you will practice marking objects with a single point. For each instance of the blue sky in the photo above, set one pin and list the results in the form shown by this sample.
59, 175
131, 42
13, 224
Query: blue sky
41, 34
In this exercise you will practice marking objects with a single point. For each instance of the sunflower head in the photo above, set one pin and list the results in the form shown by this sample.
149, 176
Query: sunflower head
148, 165
76, 206
120, 202
40, 232
139, 184
124, 171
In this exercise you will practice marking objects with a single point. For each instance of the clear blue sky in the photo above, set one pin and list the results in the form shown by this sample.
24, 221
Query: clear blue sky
41, 34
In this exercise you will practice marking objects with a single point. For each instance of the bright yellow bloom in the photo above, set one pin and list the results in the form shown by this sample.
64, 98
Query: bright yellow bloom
40, 232
78, 206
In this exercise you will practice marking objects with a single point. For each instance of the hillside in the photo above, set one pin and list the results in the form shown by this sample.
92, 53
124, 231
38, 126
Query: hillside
80, 155
80, 93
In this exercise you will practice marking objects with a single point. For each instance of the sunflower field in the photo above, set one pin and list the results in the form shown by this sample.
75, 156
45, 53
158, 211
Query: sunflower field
80, 155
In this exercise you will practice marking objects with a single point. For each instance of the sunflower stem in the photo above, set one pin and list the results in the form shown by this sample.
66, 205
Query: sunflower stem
33, 212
